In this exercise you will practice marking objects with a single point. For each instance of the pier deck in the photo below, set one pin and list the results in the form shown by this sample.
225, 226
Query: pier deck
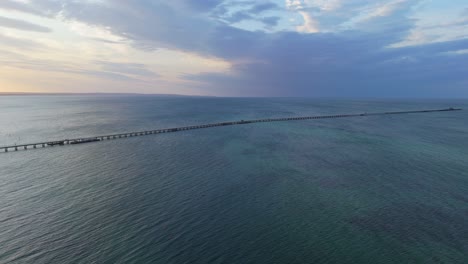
75, 141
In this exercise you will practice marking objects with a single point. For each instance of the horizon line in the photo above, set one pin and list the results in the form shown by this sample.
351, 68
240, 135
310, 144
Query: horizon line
190, 95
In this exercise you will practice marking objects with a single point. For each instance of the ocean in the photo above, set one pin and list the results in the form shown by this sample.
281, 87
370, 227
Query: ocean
372, 189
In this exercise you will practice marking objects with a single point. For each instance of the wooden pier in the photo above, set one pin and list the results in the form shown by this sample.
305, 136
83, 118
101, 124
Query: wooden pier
176, 129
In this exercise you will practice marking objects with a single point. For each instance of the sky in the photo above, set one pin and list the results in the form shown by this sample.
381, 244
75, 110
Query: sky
287, 48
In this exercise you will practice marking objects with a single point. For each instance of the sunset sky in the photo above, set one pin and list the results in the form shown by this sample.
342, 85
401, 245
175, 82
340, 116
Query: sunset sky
318, 48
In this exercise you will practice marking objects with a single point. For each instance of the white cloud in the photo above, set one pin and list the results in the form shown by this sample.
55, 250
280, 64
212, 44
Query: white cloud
324, 5
310, 25
336, 15
444, 28
385, 9
415, 37
93, 32
294, 4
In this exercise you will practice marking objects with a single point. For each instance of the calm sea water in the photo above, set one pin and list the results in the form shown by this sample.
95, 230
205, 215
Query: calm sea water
376, 189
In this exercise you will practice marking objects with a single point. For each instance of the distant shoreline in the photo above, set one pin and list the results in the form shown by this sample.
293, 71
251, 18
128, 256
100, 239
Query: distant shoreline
5, 94
95, 94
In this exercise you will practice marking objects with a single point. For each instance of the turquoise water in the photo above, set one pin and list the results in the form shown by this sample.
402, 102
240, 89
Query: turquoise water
375, 189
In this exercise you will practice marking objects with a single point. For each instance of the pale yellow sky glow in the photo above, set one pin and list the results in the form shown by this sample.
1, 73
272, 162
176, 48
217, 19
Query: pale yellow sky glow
75, 57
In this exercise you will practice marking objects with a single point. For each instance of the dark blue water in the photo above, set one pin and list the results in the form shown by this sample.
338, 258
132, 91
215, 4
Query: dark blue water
375, 189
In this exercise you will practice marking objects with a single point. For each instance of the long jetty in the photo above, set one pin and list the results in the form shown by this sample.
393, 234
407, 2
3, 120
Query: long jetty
75, 141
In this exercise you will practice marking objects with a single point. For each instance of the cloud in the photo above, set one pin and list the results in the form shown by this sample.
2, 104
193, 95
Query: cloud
246, 11
344, 48
386, 9
19, 43
22, 25
136, 69
325, 5
339, 15
453, 28
310, 25
19, 6
107, 75
462, 20
328, 65
150, 25
294, 4
47, 66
